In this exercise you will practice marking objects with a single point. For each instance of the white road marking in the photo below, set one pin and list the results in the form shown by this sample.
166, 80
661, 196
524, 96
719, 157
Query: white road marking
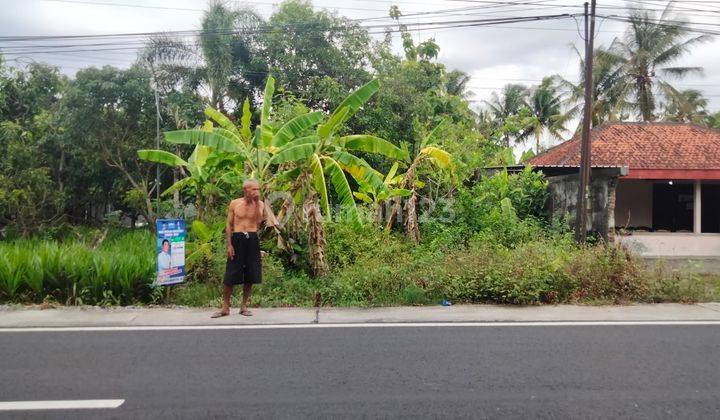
59, 405
358, 325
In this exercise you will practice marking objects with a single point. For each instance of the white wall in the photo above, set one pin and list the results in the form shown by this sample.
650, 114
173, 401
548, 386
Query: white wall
633, 198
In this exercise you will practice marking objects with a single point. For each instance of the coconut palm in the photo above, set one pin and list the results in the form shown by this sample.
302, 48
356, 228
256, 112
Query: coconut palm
546, 104
511, 100
650, 48
684, 106
609, 88
713, 121
456, 83
221, 63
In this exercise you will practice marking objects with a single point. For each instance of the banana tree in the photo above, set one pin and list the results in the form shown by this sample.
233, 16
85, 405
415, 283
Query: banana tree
425, 152
252, 148
376, 197
203, 176
327, 156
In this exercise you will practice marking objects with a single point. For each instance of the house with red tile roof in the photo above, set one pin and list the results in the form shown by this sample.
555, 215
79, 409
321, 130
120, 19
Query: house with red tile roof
654, 186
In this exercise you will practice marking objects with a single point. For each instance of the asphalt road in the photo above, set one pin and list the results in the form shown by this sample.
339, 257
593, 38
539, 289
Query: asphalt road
467, 372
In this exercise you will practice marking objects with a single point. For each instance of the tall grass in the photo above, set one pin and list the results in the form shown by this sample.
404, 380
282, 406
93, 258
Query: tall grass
122, 268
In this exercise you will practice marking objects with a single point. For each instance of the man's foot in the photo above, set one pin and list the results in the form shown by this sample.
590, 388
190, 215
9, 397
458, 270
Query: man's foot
245, 312
220, 314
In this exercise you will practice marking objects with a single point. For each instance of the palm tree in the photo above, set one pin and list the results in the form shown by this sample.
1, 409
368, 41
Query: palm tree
546, 104
456, 83
649, 49
684, 106
713, 121
222, 62
609, 88
511, 100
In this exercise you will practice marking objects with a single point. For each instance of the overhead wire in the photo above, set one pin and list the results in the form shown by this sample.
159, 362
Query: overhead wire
370, 28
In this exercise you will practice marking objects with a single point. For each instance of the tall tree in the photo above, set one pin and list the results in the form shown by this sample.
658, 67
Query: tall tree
609, 88
223, 64
511, 100
316, 54
110, 114
546, 104
457, 84
32, 168
650, 49
684, 106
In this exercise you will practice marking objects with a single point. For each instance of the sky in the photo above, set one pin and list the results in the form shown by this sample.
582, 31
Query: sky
492, 55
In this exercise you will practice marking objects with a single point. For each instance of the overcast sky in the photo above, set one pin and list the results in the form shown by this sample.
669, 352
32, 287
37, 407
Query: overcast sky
493, 56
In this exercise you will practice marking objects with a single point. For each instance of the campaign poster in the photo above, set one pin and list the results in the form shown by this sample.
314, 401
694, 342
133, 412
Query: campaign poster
170, 252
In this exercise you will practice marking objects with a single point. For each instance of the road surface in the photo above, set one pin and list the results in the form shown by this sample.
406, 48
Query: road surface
599, 371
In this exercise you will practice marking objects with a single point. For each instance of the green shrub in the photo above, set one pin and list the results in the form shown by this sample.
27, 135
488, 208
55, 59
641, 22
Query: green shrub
607, 273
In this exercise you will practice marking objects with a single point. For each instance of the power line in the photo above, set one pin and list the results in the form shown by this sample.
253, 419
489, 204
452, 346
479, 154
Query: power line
626, 19
269, 28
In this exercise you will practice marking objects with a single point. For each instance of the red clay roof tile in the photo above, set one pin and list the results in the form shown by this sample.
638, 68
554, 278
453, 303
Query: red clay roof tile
641, 146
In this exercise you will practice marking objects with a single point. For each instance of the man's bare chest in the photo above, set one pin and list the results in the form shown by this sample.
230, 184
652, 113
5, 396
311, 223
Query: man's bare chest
245, 211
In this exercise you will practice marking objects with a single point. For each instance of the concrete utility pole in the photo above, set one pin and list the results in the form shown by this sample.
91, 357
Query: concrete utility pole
585, 148
157, 146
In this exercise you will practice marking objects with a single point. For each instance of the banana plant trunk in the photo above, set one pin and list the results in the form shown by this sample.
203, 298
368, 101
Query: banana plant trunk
411, 221
408, 180
316, 237
378, 213
176, 193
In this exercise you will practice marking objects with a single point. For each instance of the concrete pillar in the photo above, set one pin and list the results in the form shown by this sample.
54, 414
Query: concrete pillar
612, 189
697, 222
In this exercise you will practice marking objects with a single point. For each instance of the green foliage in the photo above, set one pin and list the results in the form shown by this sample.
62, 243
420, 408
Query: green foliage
508, 209
331, 60
30, 137
325, 133
120, 270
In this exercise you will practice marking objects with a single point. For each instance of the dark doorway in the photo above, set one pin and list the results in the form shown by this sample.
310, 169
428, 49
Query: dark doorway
710, 212
673, 207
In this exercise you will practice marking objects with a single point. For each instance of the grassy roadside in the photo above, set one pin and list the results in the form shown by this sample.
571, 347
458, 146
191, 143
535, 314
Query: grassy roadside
368, 268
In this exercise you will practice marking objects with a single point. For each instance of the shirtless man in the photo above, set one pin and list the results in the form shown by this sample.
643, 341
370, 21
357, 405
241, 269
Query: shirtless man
243, 246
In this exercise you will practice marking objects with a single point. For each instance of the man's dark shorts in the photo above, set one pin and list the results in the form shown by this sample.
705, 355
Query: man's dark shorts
246, 266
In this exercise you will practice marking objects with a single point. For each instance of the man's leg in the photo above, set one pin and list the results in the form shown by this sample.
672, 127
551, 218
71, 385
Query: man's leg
227, 294
247, 287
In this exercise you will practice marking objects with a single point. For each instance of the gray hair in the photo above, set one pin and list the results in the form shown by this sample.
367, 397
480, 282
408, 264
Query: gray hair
250, 181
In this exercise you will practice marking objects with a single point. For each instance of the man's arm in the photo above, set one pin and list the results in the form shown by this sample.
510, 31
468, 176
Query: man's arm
229, 229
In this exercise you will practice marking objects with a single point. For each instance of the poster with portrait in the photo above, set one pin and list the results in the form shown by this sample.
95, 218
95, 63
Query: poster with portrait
170, 252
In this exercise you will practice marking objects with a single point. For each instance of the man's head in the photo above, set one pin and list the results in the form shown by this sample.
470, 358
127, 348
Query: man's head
165, 246
251, 190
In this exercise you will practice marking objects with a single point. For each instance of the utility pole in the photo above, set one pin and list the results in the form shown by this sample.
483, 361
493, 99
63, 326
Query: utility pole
157, 146
585, 148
